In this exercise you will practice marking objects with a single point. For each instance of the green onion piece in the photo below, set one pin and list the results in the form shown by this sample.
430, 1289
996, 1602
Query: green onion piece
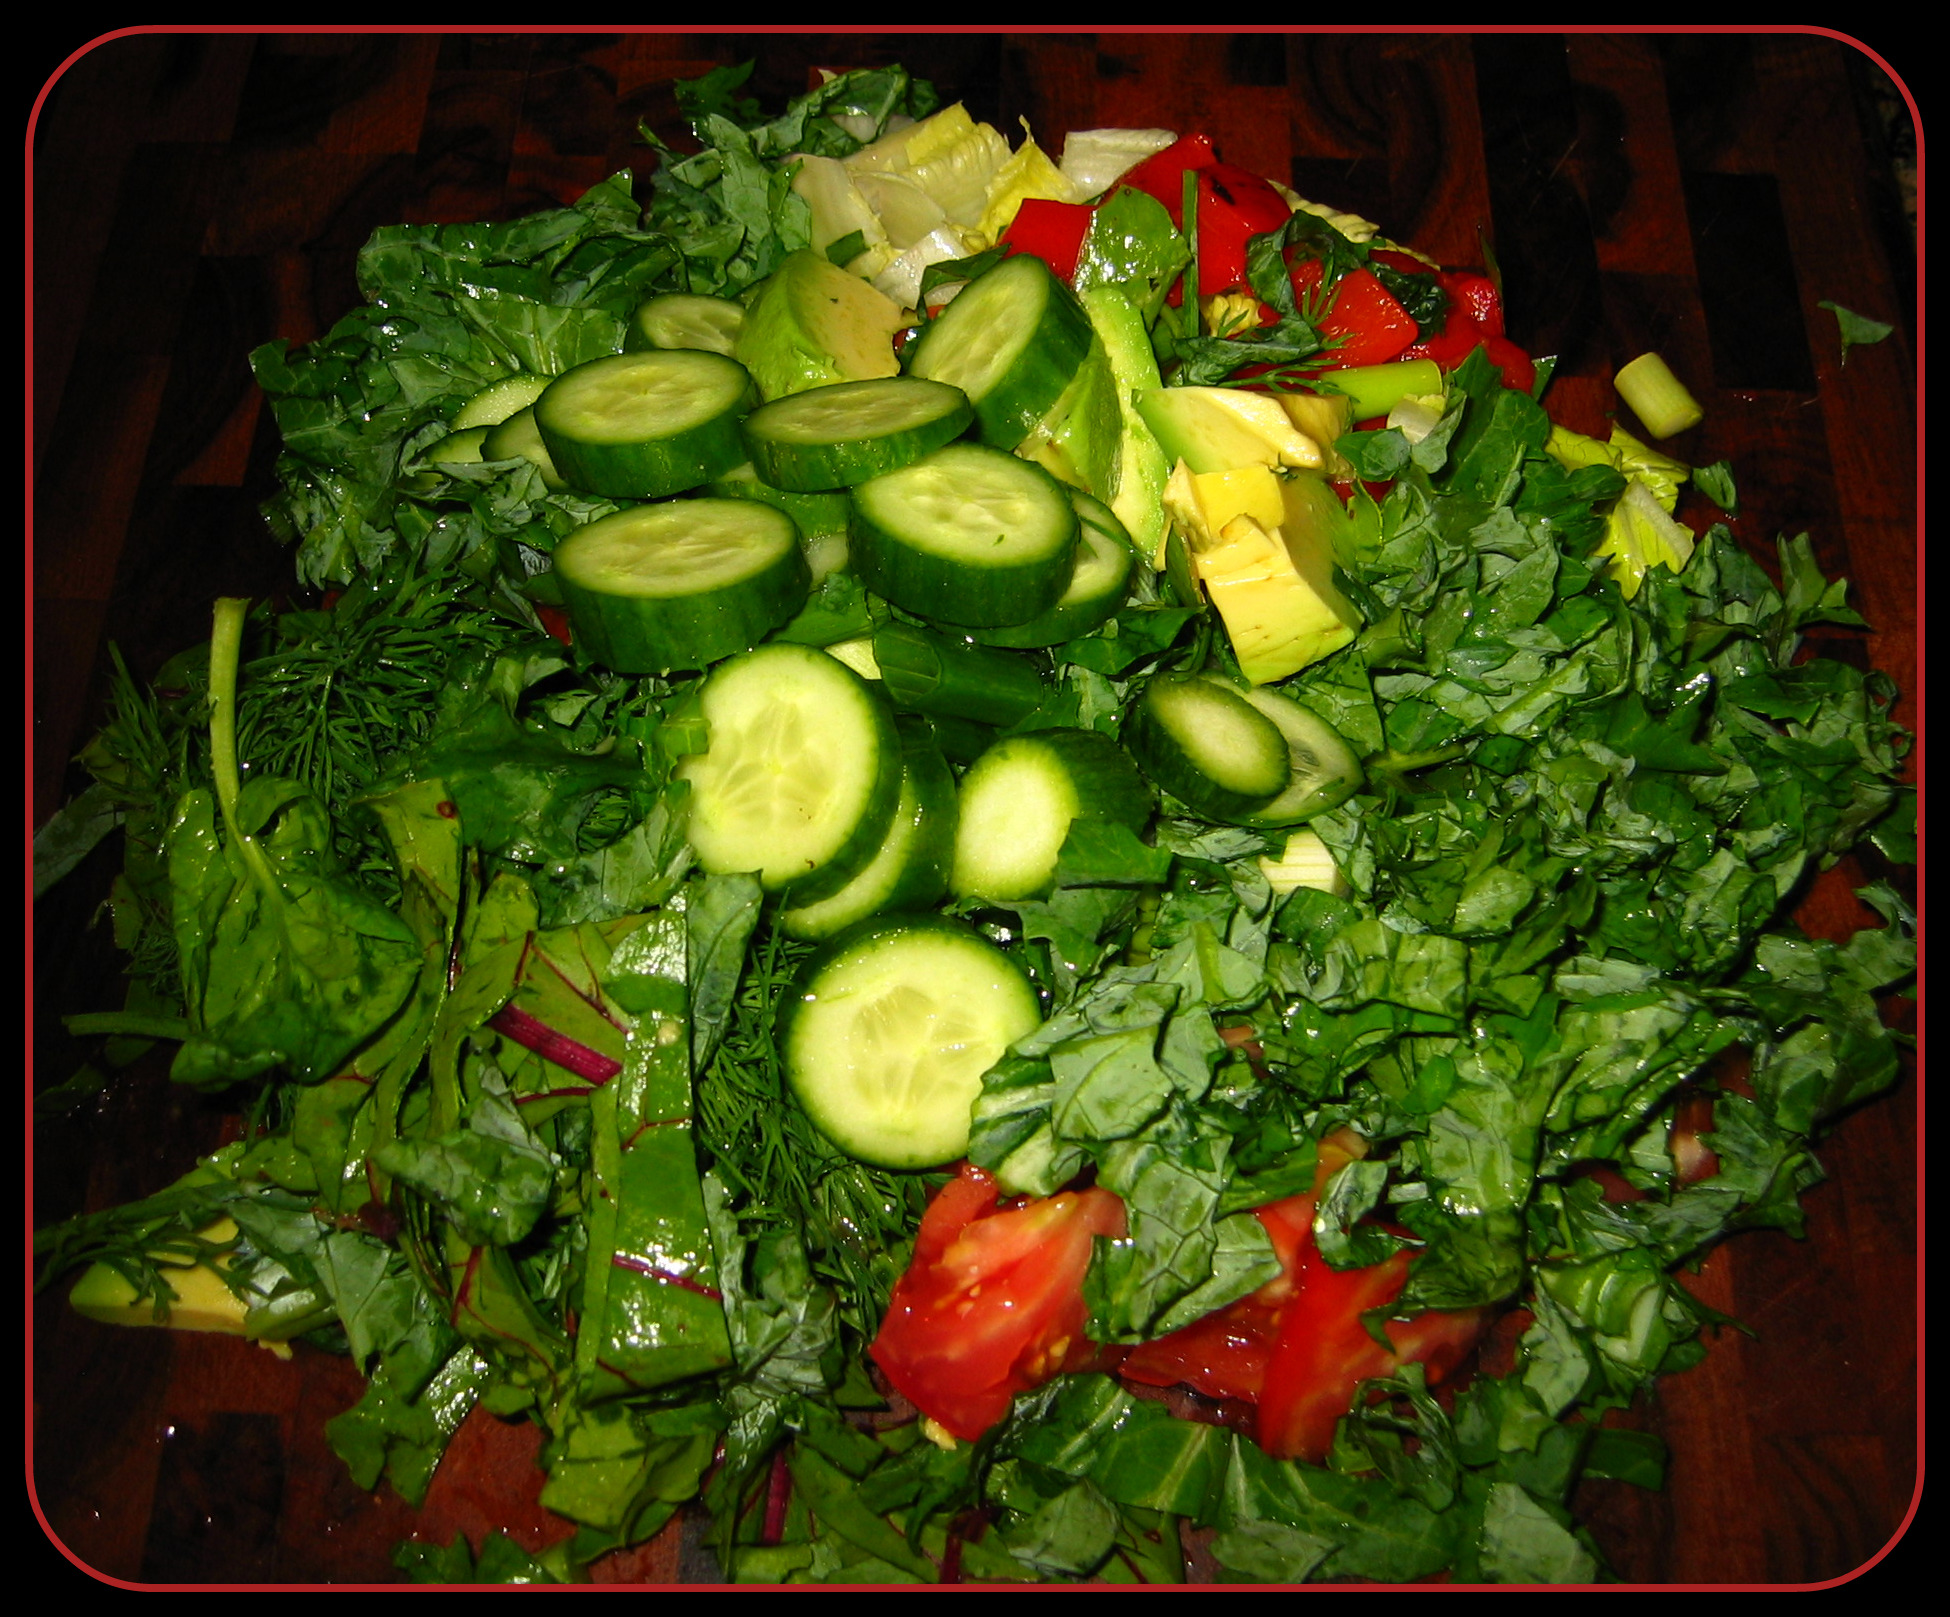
1190, 215
1377, 389
1657, 397
930, 673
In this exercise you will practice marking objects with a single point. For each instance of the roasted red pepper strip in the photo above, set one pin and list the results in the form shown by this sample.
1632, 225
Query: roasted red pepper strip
1475, 319
1161, 175
1477, 296
1234, 205
1365, 323
1051, 231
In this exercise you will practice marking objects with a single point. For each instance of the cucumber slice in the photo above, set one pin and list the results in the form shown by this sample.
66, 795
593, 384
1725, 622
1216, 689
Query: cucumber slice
499, 400
467, 447
1202, 741
684, 320
518, 438
822, 517
1018, 801
967, 535
910, 872
680, 584
1011, 340
645, 425
1322, 770
457, 449
422, 472
893, 1027
837, 436
1100, 578
801, 775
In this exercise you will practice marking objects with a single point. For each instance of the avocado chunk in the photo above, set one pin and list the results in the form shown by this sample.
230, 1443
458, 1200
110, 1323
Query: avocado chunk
1323, 417
1214, 429
1078, 441
811, 323
203, 1302
1273, 585
1141, 464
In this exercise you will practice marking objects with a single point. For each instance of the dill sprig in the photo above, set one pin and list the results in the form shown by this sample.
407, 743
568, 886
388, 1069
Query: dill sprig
140, 1239
857, 1221
329, 697
347, 690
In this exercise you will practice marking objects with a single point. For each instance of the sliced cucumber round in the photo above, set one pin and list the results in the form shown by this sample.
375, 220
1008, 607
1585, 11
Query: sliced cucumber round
680, 584
1011, 340
645, 425
518, 438
499, 400
465, 447
910, 872
1100, 579
837, 436
801, 774
1322, 770
684, 320
967, 535
1018, 801
1201, 740
892, 1029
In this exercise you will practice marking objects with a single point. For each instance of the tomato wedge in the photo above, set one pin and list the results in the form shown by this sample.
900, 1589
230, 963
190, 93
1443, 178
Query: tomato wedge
992, 1304
1297, 1348
1324, 1351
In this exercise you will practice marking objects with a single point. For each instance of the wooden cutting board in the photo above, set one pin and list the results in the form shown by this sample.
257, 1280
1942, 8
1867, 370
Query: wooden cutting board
197, 193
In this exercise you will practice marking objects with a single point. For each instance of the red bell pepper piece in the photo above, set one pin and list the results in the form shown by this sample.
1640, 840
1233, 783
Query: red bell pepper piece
1475, 319
1471, 291
1478, 297
1162, 174
556, 621
1518, 371
1365, 323
1051, 231
1234, 205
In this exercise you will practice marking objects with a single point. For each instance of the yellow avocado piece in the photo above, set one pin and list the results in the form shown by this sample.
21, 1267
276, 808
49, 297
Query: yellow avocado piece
1275, 593
1245, 491
203, 1302
1142, 466
1216, 429
1322, 417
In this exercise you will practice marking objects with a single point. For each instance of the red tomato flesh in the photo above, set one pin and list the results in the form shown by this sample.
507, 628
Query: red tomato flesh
992, 1304
1324, 1351
1296, 1348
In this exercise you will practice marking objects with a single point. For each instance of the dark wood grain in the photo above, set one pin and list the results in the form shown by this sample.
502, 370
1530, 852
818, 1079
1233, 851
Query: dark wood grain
199, 193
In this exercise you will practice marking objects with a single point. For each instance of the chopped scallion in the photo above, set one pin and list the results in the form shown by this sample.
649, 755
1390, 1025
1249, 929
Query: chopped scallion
1657, 397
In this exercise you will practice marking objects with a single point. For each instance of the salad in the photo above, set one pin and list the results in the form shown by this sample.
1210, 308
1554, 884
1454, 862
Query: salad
1354, 813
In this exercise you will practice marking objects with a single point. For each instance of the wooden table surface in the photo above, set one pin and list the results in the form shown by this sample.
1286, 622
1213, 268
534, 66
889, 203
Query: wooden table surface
198, 193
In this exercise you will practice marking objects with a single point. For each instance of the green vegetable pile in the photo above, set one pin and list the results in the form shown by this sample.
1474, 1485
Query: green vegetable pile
381, 852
